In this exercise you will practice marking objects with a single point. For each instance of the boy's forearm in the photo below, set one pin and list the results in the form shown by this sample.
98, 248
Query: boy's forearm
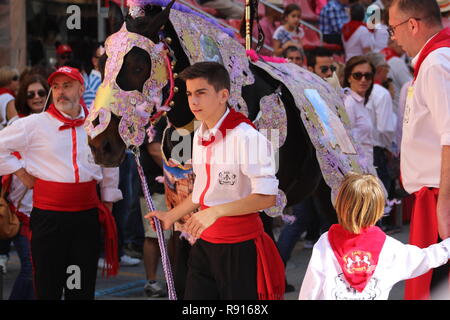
184, 208
252, 203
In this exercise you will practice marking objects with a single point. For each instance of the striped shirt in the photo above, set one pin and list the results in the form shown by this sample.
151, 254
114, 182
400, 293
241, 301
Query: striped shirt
92, 82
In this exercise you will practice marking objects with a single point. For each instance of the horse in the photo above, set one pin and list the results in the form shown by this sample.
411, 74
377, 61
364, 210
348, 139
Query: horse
299, 172
144, 54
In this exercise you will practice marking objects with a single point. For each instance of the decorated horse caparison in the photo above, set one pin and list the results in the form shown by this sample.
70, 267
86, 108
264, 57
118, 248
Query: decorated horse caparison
146, 51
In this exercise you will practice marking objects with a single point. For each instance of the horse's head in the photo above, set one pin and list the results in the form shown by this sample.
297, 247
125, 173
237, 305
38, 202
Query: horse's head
137, 71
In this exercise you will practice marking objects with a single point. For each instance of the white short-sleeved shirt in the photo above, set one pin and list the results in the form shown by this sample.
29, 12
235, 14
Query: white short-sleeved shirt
361, 124
283, 35
383, 117
49, 154
360, 39
233, 168
426, 122
324, 278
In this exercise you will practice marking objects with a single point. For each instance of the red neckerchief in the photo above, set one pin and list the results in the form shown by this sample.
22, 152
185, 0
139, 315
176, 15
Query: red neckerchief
68, 123
440, 40
4, 90
389, 53
349, 28
231, 121
357, 254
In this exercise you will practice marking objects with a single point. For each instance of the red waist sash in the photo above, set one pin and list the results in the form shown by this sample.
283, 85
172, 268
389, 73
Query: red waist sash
270, 267
73, 197
423, 233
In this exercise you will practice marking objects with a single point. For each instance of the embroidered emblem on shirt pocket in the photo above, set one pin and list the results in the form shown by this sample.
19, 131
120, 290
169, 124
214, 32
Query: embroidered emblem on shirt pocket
227, 178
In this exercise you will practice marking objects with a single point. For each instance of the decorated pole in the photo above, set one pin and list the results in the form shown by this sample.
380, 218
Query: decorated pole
248, 35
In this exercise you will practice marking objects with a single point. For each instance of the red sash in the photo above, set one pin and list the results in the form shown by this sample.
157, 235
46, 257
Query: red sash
349, 28
441, 40
73, 197
270, 267
357, 254
423, 233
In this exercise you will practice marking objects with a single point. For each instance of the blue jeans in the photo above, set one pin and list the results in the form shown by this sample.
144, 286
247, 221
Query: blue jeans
305, 215
127, 212
23, 288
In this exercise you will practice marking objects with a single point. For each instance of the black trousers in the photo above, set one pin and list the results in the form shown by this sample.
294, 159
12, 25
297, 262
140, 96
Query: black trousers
65, 251
222, 271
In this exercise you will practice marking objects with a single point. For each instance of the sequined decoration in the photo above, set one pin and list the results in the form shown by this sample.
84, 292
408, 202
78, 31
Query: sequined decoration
334, 163
202, 41
133, 107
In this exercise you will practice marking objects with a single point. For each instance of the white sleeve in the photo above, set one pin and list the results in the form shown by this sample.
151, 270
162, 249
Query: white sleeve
257, 162
437, 87
13, 138
312, 285
413, 261
109, 186
386, 119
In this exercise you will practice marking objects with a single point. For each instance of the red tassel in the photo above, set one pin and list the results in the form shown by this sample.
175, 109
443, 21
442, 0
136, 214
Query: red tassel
111, 266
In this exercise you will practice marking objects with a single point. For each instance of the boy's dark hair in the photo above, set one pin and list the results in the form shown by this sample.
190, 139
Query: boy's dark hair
357, 12
317, 52
293, 48
213, 72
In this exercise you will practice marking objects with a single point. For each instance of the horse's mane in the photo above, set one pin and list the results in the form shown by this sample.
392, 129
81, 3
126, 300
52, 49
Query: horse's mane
182, 8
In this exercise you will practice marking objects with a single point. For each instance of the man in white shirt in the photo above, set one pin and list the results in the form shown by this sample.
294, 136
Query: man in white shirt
425, 150
67, 213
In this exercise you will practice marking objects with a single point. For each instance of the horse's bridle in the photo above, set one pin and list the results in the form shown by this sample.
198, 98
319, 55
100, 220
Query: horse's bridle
135, 108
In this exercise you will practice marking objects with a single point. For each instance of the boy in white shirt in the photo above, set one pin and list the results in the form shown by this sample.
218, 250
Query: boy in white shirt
232, 258
355, 260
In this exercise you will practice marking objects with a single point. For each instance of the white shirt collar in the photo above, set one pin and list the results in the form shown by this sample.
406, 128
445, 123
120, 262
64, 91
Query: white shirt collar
79, 116
205, 133
414, 60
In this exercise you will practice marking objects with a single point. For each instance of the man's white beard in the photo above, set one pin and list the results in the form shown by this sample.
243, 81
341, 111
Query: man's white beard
65, 106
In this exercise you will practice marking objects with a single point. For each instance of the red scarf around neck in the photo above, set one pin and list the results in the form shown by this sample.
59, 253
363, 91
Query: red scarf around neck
357, 254
68, 123
349, 28
389, 53
231, 121
4, 90
440, 40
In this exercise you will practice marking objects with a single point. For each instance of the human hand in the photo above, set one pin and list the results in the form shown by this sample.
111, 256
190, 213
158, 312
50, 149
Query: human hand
200, 221
26, 178
163, 217
108, 205
443, 216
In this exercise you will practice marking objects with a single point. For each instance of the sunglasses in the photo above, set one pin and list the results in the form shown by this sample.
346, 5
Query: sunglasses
41, 93
360, 75
65, 56
324, 69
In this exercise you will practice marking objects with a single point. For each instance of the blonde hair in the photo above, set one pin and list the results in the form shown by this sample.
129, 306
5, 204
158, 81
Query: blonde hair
360, 202
7, 73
